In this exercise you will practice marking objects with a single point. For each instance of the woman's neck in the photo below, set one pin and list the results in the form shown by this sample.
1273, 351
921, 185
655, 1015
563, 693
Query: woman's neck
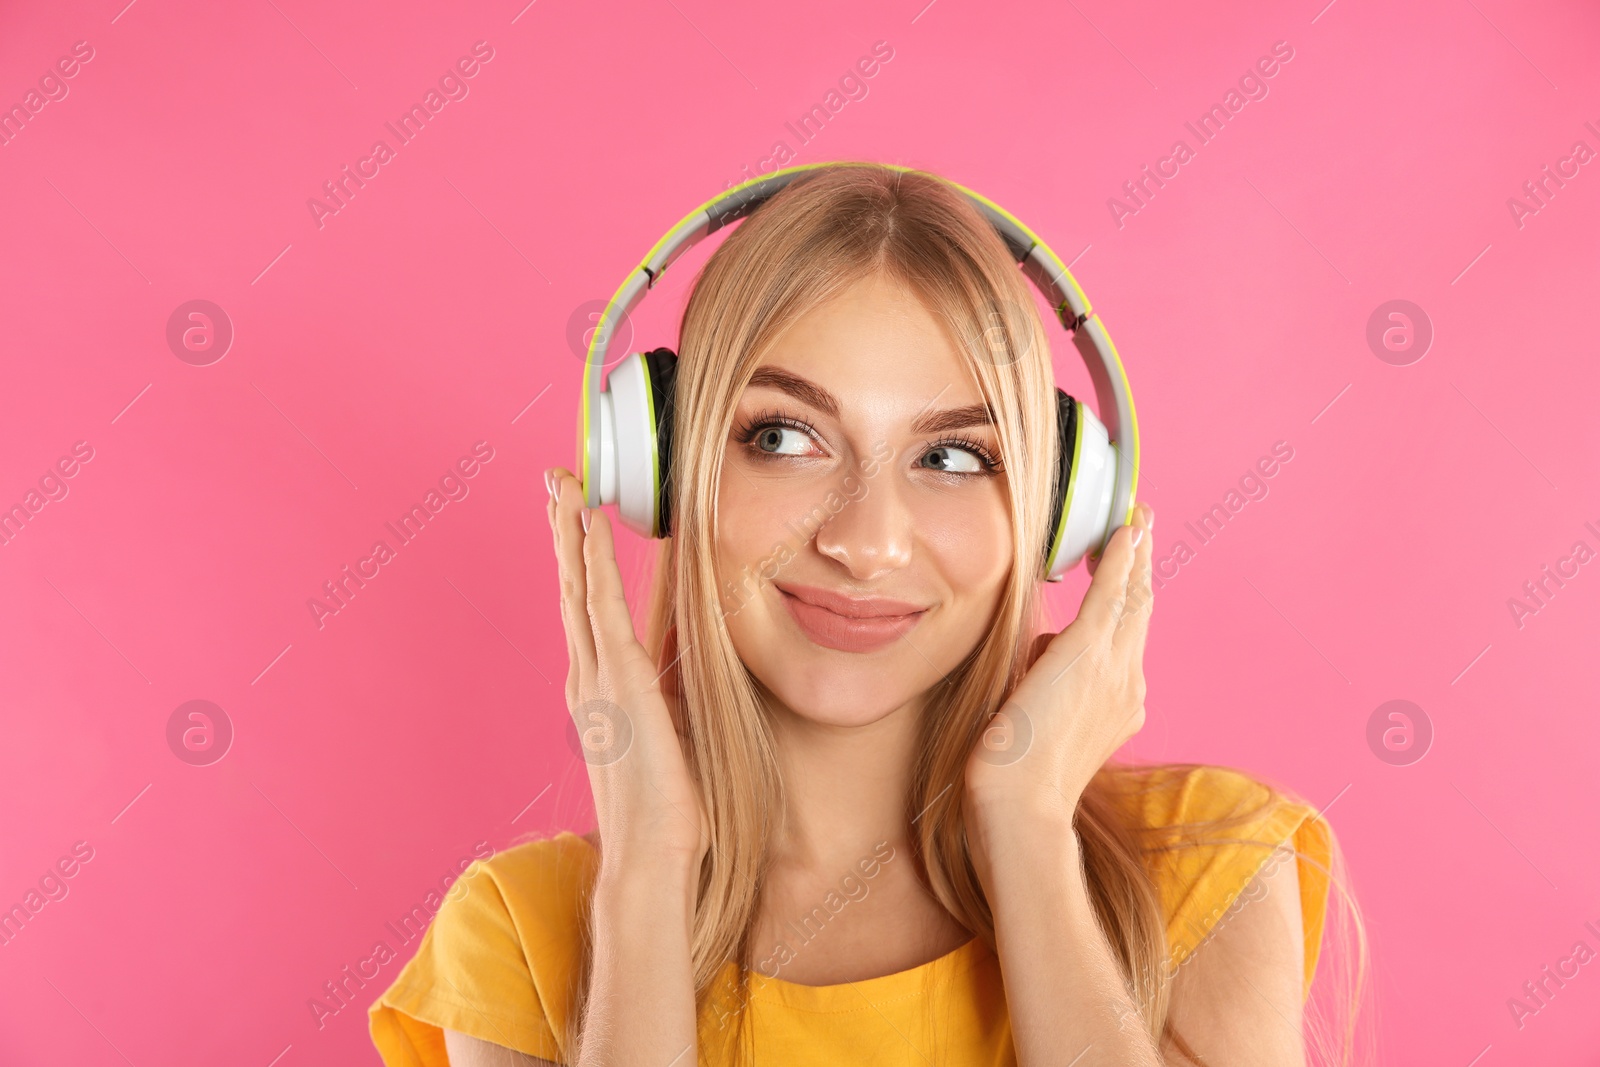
843, 900
844, 786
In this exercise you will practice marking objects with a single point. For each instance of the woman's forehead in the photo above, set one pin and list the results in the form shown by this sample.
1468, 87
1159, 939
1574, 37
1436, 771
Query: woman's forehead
874, 345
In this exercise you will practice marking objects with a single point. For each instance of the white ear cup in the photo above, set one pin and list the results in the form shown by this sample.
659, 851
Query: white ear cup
1088, 504
603, 474
628, 460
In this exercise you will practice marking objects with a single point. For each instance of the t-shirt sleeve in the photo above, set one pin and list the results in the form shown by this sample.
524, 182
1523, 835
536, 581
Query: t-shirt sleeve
1218, 829
471, 974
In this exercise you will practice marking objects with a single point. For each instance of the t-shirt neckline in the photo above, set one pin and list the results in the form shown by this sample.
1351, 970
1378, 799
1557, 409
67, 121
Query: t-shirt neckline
863, 993
860, 994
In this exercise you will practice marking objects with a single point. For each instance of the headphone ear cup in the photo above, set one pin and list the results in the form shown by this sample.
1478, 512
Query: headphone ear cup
661, 368
631, 446
1086, 479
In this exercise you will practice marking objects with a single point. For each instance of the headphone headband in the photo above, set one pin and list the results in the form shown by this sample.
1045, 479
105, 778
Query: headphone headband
1114, 398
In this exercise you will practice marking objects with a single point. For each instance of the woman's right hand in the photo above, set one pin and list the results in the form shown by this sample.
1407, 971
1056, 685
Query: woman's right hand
651, 813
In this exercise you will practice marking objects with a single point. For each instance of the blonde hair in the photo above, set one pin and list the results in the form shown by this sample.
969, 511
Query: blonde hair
824, 232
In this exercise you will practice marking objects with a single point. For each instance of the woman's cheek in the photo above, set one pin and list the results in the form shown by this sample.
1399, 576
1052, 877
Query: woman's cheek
969, 540
750, 528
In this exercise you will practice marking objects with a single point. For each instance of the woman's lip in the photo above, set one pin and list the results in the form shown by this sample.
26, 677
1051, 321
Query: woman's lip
848, 606
844, 634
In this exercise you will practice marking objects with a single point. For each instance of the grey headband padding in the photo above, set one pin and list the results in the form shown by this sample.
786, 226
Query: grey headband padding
1067, 433
662, 366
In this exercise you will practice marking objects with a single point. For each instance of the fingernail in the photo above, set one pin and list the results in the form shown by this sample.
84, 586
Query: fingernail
586, 514
550, 482
1138, 532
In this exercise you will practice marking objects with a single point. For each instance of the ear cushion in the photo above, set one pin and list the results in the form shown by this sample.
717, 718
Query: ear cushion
1067, 436
661, 367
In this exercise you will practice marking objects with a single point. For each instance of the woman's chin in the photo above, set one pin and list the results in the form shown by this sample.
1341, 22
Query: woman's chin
831, 686
835, 699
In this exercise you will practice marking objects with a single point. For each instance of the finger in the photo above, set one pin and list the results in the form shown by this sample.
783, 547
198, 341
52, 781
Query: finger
566, 630
1097, 615
619, 656
1133, 622
574, 583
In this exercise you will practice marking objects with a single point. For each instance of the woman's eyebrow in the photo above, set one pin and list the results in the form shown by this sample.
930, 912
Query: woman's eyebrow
802, 389
953, 419
809, 392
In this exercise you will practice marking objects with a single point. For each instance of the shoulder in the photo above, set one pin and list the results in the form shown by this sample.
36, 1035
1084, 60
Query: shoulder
496, 961
1169, 796
539, 875
530, 897
1213, 839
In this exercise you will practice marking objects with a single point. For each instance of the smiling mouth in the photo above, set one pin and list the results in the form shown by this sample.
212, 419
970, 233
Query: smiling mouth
843, 633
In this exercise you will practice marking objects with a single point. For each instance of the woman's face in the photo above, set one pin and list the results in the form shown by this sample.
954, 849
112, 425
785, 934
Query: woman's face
863, 535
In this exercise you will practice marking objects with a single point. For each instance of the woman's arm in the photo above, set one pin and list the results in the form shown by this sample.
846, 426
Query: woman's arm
466, 1051
653, 826
1239, 998
641, 993
1063, 989
1082, 697
1080, 700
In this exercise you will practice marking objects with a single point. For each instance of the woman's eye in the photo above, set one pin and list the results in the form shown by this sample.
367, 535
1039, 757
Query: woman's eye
770, 439
952, 460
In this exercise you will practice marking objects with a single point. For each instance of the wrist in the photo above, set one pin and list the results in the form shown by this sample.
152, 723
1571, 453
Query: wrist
657, 885
1028, 842
1018, 812
1014, 832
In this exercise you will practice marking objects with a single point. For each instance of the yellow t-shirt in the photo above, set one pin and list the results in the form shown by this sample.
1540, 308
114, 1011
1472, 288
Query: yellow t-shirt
496, 960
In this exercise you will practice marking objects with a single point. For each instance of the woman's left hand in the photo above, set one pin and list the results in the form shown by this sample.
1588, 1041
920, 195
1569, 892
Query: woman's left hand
1080, 700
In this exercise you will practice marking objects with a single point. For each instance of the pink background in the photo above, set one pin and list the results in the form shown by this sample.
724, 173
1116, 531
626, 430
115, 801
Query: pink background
372, 754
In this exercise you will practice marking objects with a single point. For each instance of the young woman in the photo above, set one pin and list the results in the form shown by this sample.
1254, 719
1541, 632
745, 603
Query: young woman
856, 802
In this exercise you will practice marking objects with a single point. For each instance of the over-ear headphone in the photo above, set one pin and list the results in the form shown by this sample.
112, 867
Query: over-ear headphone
625, 428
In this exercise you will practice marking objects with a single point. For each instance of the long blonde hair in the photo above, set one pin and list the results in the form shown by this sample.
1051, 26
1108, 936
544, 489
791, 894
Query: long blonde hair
821, 234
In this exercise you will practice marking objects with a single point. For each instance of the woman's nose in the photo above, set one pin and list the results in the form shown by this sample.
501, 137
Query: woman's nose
872, 533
